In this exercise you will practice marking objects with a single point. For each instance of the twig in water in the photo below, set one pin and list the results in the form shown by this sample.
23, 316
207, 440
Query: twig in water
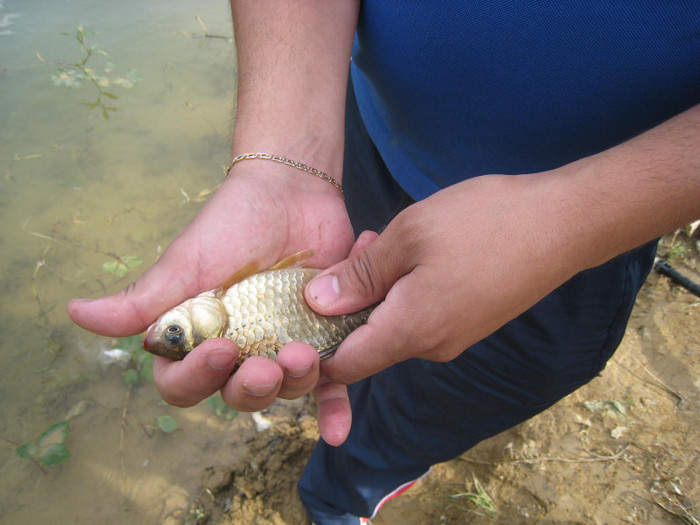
122, 431
207, 34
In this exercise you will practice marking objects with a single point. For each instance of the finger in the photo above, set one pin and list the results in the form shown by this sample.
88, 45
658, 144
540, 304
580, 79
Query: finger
396, 330
361, 280
131, 310
366, 238
203, 371
334, 412
300, 364
254, 386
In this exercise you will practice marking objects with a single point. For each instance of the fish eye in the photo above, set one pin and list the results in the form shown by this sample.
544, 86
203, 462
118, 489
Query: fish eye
173, 334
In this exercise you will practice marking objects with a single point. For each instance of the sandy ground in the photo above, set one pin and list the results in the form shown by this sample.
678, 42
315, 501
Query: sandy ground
623, 449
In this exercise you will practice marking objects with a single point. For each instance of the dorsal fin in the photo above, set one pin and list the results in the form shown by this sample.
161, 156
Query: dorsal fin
245, 272
294, 260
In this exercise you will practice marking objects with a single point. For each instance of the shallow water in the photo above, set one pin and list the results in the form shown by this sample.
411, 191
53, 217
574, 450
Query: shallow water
76, 192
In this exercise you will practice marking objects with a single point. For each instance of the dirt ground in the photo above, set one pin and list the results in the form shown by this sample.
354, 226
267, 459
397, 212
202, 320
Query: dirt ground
623, 449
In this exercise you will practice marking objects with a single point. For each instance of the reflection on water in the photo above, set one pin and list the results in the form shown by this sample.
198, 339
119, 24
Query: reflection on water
85, 204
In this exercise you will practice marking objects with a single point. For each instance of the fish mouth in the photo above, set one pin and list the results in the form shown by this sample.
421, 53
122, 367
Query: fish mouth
154, 344
151, 342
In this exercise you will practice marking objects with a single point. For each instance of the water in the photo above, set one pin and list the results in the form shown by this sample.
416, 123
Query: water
76, 190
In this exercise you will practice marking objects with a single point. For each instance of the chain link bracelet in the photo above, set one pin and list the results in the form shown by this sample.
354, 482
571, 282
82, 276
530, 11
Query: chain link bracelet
286, 161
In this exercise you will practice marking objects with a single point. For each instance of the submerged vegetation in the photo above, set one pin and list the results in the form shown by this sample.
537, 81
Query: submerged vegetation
121, 264
73, 75
50, 449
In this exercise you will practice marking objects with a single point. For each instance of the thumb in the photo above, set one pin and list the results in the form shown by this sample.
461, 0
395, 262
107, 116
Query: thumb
361, 280
133, 309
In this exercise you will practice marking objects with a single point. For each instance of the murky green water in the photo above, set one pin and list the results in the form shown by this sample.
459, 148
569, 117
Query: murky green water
76, 192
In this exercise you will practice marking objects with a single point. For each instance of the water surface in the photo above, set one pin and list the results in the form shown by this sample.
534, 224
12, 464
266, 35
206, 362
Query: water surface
78, 191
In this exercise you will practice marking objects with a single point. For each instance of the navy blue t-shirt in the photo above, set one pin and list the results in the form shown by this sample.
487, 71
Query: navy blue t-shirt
454, 89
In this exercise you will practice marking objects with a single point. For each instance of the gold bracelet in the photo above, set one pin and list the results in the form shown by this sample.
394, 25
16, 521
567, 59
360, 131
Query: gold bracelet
283, 160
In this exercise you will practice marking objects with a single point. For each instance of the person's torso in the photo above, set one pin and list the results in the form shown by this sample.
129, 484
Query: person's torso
450, 90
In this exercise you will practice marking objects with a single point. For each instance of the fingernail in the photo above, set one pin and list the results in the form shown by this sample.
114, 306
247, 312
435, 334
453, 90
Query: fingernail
325, 290
297, 372
260, 390
221, 359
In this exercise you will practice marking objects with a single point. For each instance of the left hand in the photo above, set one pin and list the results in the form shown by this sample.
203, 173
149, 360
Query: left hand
264, 212
450, 270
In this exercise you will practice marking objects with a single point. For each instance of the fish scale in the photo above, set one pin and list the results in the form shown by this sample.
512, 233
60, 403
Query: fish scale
260, 313
268, 309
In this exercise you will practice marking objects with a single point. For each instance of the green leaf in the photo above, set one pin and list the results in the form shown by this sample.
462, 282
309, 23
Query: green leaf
55, 434
54, 454
618, 406
121, 266
67, 77
146, 367
131, 344
221, 409
27, 451
130, 376
167, 423
132, 261
133, 76
121, 269
110, 266
50, 448
110, 95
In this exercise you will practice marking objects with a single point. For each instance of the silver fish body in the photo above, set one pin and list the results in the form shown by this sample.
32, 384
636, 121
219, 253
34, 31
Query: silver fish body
260, 313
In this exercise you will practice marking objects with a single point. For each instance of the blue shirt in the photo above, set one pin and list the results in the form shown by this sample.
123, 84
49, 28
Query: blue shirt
455, 89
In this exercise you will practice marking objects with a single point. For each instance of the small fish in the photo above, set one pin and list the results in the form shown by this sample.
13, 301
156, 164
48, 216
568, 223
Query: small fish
259, 311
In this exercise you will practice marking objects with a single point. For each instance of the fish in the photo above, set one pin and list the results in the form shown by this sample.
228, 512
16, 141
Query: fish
259, 310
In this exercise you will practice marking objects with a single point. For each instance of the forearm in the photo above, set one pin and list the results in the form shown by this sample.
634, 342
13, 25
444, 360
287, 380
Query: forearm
630, 194
293, 62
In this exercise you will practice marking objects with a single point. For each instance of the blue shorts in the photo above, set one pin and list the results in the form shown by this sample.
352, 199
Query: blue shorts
418, 413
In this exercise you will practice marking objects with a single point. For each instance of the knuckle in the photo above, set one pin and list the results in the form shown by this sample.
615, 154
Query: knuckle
430, 341
337, 376
361, 275
177, 401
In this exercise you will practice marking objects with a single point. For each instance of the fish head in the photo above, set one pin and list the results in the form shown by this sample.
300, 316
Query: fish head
180, 329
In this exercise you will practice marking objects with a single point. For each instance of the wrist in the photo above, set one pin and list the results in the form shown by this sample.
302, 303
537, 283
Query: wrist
282, 179
287, 162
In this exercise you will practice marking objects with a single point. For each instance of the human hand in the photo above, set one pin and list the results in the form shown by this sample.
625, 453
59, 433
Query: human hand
451, 270
261, 214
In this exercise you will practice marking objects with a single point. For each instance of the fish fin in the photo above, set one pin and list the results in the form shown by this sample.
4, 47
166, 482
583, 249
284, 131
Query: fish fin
294, 260
328, 352
243, 273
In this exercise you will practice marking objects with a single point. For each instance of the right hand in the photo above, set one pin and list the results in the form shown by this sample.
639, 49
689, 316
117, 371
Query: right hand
261, 213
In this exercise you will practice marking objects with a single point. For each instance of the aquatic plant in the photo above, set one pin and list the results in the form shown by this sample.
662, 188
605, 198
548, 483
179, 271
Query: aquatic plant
121, 264
167, 424
73, 75
220, 408
141, 363
50, 449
